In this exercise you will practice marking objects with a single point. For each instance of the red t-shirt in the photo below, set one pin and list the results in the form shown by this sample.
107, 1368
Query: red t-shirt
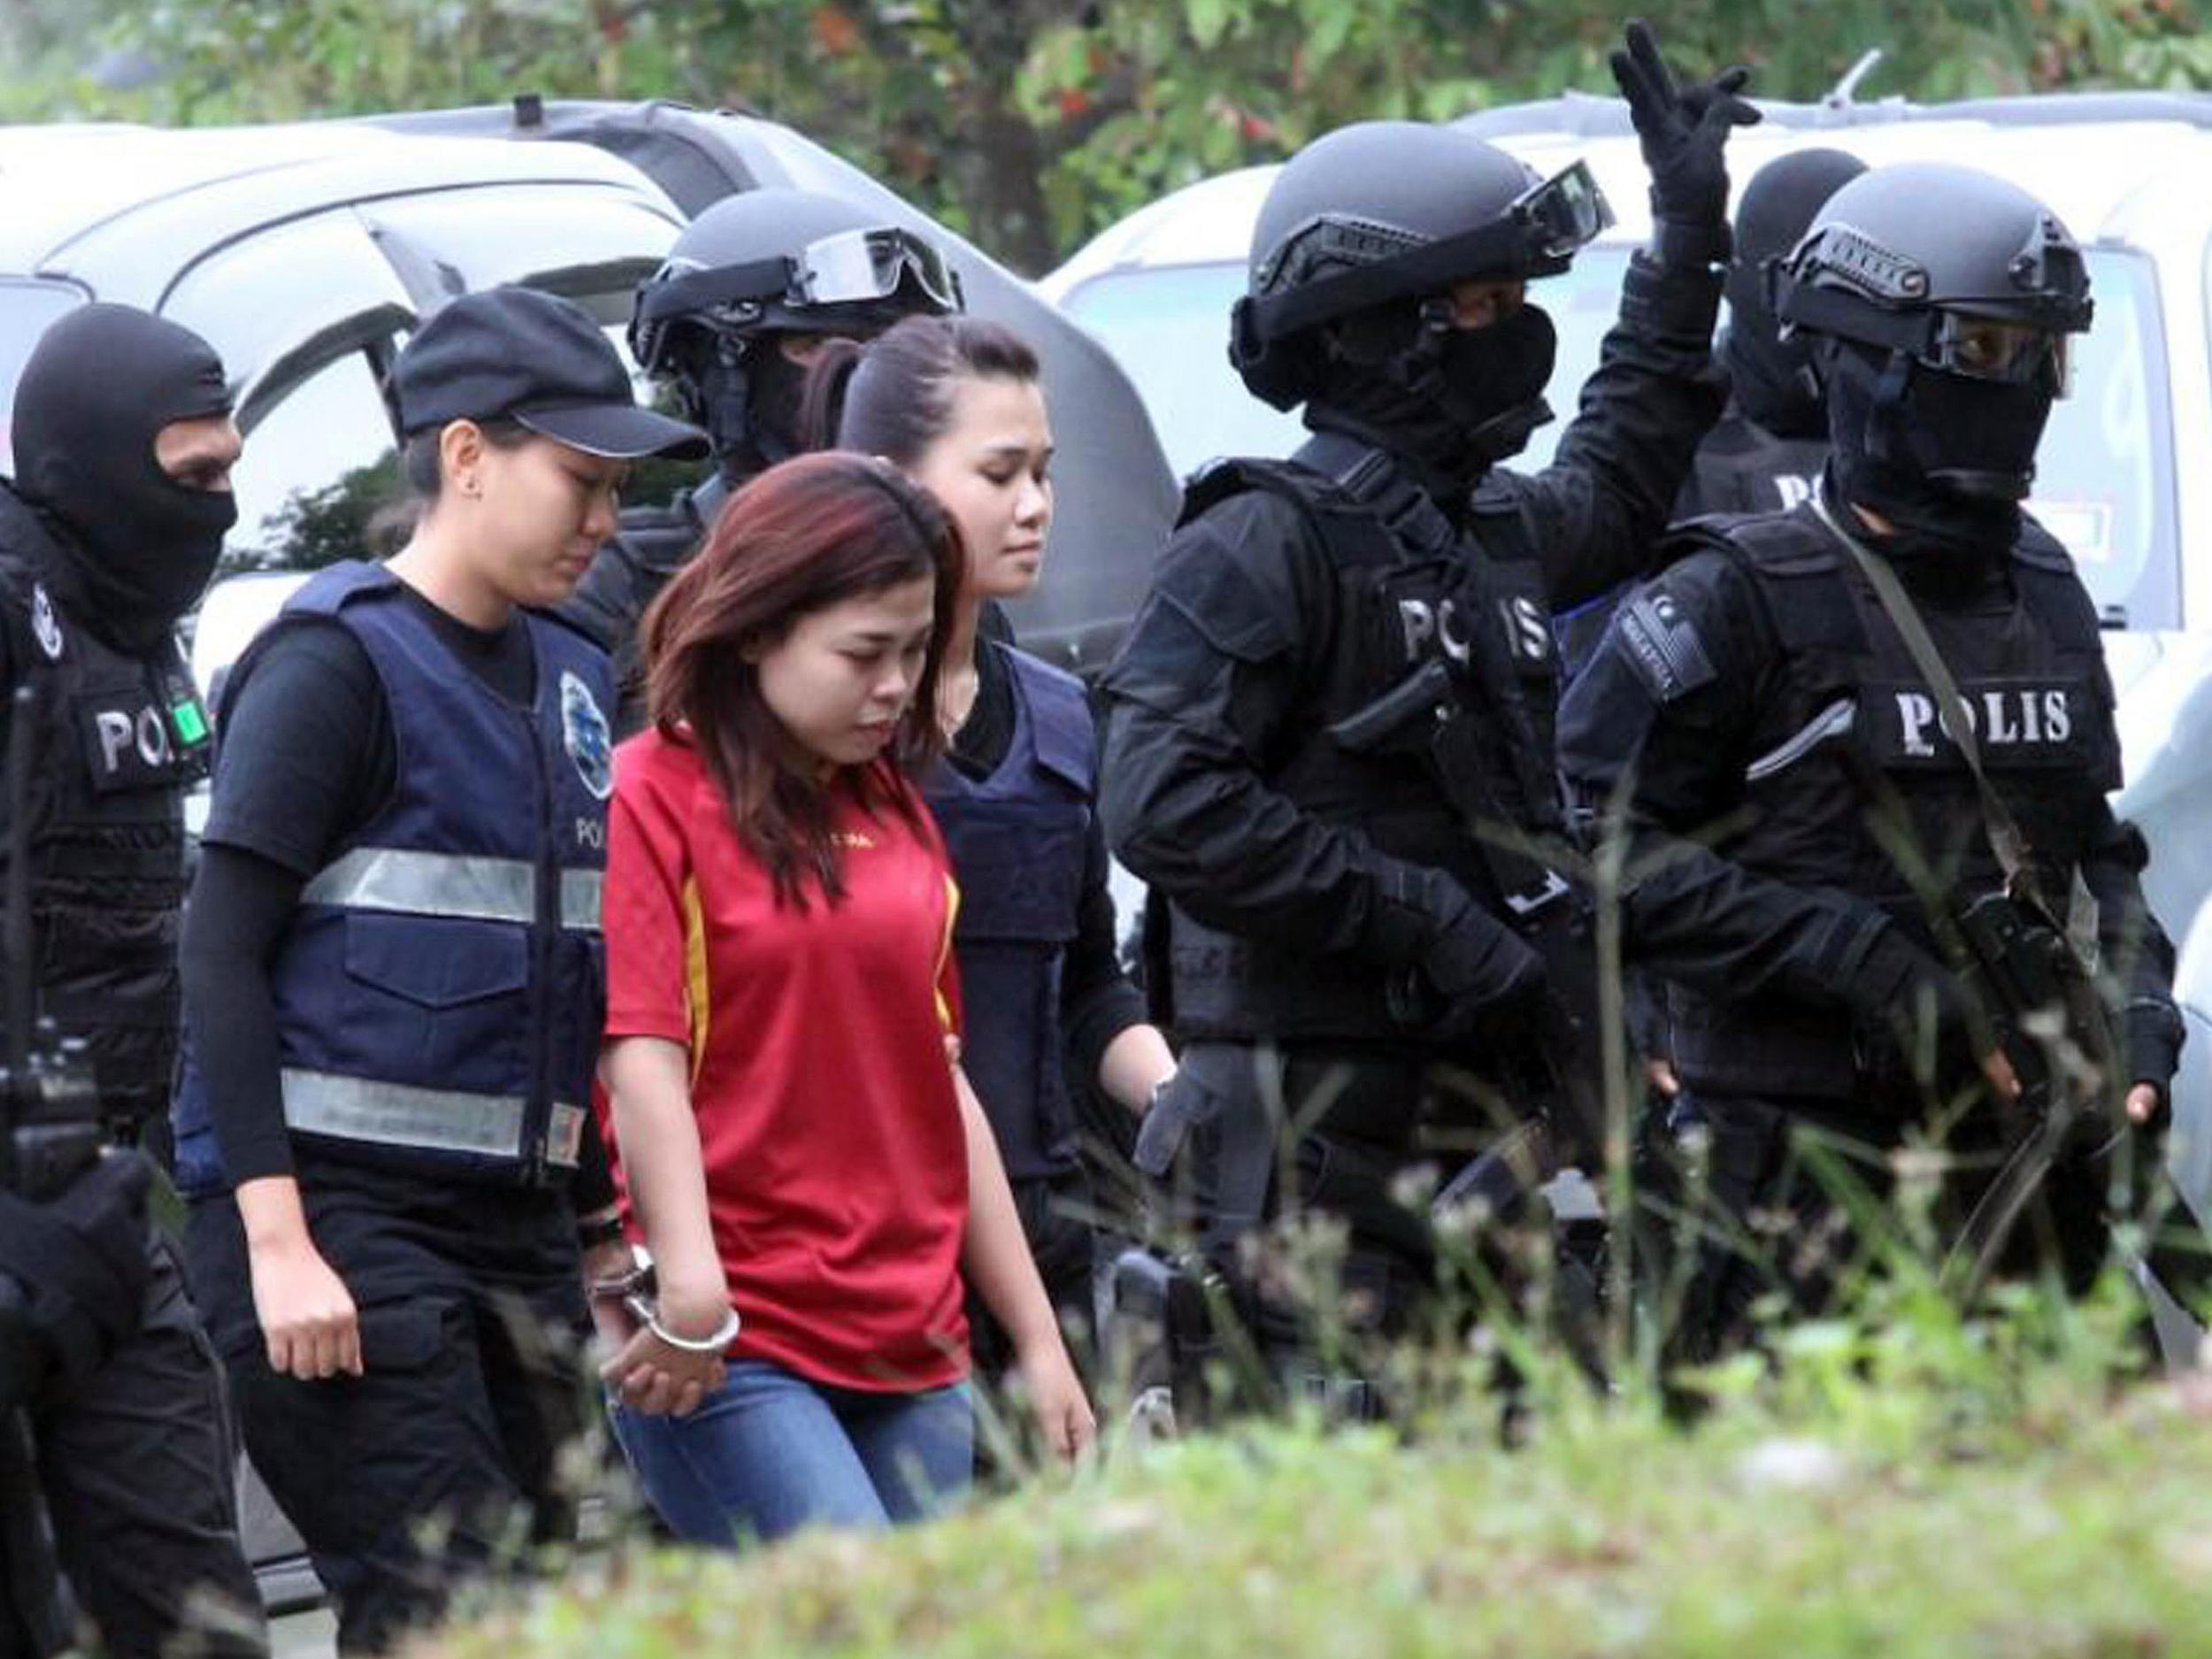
836, 1165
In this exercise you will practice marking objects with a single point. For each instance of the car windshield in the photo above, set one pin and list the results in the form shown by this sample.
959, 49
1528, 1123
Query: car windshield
25, 310
2105, 481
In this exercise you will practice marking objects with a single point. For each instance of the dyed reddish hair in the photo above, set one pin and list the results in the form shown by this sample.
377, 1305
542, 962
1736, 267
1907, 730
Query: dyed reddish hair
803, 536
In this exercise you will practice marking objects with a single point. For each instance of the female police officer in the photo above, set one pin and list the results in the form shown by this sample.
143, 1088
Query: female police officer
394, 982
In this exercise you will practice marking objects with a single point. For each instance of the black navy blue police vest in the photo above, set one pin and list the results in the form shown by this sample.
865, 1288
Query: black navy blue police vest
1018, 840
441, 989
1408, 588
1850, 734
121, 738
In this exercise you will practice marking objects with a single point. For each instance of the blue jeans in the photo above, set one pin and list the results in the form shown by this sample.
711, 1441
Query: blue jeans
770, 1452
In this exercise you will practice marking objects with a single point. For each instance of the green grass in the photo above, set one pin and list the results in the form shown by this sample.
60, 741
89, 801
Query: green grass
1903, 1487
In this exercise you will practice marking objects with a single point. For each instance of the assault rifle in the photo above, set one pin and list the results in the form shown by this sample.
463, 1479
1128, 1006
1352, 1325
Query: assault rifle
2057, 1033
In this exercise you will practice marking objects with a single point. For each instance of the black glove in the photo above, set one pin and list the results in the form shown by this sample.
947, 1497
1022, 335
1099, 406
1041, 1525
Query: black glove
2152, 1030
1475, 968
1903, 992
1684, 132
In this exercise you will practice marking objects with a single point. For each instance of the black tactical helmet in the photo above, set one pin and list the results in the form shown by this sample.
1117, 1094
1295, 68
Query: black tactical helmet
1772, 381
1959, 271
1390, 210
786, 261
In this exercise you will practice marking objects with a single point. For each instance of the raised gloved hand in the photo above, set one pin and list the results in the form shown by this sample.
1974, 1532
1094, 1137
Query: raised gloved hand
1684, 130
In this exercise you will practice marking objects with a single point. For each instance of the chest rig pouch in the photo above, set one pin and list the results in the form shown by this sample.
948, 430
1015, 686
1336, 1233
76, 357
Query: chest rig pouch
1437, 681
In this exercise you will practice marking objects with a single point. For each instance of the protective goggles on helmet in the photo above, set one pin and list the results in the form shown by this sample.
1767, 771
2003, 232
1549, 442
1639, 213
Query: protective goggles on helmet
853, 267
1564, 213
1957, 341
859, 266
1535, 235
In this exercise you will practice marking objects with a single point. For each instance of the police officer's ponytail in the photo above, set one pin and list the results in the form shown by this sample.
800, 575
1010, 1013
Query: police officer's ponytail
893, 396
822, 400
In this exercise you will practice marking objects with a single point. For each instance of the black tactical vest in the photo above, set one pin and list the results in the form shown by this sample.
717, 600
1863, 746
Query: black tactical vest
1408, 589
1850, 735
1743, 468
119, 740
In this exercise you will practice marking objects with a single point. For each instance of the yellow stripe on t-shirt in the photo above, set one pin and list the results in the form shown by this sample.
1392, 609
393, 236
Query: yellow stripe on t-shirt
695, 986
944, 951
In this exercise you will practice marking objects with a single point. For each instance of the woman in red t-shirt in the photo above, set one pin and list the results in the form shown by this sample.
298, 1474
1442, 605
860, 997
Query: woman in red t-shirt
780, 1005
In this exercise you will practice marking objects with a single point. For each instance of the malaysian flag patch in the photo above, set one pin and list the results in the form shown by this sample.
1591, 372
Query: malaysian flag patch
1663, 645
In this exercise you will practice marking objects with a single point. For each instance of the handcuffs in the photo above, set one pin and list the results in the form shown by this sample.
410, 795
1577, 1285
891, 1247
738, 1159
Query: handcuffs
637, 1290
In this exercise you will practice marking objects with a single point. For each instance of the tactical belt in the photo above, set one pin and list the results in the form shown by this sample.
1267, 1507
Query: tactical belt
424, 1119
466, 885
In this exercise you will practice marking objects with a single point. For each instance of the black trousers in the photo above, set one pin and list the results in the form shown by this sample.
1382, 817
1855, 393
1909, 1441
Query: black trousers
442, 1463
1796, 1199
1331, 1132
138, 1470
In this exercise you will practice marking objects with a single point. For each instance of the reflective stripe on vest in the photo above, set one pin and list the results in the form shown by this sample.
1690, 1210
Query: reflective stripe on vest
431, 1119
451, 884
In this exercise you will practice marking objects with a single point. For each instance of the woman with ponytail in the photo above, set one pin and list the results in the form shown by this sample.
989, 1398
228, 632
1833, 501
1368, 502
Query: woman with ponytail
956, 402
810, 1173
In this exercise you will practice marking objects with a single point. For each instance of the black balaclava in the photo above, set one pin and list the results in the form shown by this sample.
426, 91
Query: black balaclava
136, 546
746, 395
1454, 401
1946, 459
1773, 381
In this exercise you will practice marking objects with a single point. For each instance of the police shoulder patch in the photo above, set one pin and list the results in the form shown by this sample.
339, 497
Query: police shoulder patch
1662, 642
586, 736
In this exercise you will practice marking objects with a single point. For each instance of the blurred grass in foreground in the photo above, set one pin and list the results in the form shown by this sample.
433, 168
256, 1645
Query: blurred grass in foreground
1901, 1484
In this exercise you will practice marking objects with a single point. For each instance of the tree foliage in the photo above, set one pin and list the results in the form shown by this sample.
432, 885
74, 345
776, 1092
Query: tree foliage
1032, 123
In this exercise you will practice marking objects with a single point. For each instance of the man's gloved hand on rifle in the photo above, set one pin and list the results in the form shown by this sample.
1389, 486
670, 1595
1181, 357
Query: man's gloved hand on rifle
1904, 984
1472, 969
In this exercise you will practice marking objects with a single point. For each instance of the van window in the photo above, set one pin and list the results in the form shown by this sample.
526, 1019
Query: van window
319, 478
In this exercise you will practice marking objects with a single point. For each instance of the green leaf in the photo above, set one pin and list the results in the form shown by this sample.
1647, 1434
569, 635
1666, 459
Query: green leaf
1208, 19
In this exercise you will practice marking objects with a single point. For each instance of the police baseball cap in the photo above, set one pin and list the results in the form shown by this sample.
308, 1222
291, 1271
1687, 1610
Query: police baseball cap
537, 359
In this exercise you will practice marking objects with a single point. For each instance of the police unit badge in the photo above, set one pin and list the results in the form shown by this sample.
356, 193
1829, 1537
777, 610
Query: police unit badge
44, 624
587, 736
